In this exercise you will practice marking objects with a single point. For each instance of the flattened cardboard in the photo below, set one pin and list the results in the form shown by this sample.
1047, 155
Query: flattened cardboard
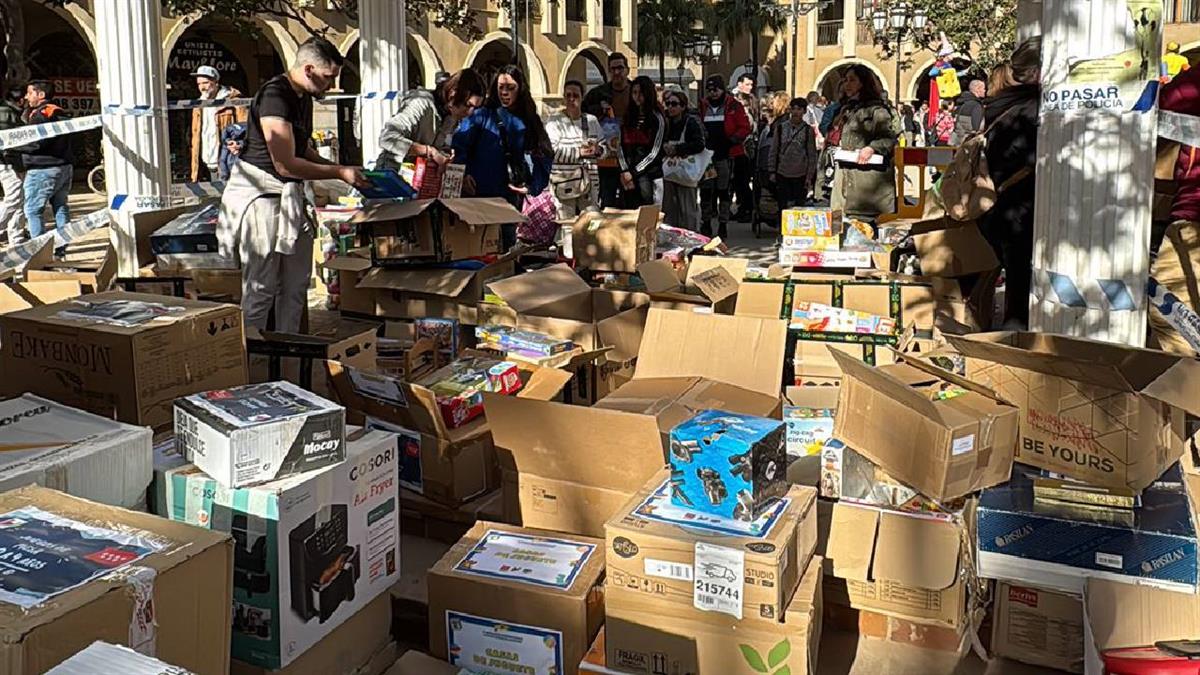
133, 374
949, 249
193, 586
945, 449
1102, 413
575, 612
1037, 626
763, 300
643, 635
774, 562
702, 263
615, 241
911, 566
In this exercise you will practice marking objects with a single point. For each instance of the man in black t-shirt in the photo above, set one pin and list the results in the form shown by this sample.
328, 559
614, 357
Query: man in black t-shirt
264, 221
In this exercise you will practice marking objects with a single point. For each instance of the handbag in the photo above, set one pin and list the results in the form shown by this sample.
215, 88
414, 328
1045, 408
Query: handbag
541, 224
518, 170
687, 171
569, 182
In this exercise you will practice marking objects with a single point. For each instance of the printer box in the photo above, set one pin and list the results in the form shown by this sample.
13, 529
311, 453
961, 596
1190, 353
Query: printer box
310, 550
79, 453
511, 600
1057, 544
710, 568
259, 432
728, 464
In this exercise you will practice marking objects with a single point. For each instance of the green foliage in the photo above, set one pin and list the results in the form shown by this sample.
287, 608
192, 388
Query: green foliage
664, 27
986, 31
732, 19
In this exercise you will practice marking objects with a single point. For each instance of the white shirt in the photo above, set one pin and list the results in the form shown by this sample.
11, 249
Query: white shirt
210, 142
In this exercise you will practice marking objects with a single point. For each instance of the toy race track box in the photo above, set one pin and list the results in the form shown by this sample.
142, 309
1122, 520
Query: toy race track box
259, 432
727, 464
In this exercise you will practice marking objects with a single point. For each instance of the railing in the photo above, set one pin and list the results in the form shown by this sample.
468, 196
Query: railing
829, 33
1181, 11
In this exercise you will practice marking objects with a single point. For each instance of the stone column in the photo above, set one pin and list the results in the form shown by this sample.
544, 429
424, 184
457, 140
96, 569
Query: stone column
136, 156
383, 58
1095, 168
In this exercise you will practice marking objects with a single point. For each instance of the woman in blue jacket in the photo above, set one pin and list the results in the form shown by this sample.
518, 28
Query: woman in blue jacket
504, 145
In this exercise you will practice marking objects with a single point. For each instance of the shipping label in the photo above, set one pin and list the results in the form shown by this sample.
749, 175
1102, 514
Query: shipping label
668, 570
43, 555
658, 507
720, 579
541, 561
483, 645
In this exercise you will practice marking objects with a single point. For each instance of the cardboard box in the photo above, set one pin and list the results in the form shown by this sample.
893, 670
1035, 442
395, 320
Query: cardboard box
560, 457
102, 657
446, 475
813, 363
79, 453
1105, 414
715, 287
350, 270
15, 296
615, 241
352, 342
666, 552
947, 248
538, 616
190, 585
764, 299
94, 273
416, 663
799, 257
193, 231
1037, 626
429, 292
131, 373
1119, 615
849, 477
809, 415
916, 567
944, 447
728, 465
218, 285
811, 222
641, 635
1058, 545
351, 649
310, 550
260, 432
436, 229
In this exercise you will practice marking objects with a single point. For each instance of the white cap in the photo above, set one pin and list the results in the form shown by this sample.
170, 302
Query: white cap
209, 72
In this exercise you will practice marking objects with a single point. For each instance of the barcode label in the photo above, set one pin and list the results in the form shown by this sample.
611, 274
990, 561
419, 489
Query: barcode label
1110, 560
668, 570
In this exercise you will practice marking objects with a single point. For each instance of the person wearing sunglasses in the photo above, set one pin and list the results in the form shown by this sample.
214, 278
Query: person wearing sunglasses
575, 136
726, 126
685, 137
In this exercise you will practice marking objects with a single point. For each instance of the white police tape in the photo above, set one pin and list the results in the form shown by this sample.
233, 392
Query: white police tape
197, 103
15, 257
12, 138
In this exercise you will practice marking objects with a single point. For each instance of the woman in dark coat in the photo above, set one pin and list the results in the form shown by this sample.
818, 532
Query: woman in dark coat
1011, 115
866, 127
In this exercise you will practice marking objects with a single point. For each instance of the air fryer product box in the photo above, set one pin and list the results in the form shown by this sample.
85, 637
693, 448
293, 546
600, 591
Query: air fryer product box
711, 568
727, 464
310, 550
513, 600
79, 453
259, 432
1058, 544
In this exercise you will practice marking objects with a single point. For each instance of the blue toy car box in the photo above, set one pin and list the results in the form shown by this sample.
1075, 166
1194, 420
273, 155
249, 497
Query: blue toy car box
728, 464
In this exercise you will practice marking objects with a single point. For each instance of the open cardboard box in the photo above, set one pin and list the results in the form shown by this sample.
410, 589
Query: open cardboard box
18, 295
94, 273
351, 269
714, 287
569, 468
911, 566
425, 230
944, 448
615, 240
439, 292
1107, 414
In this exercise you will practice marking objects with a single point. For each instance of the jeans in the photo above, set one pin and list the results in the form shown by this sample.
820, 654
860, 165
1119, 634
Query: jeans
47, 184
644, 193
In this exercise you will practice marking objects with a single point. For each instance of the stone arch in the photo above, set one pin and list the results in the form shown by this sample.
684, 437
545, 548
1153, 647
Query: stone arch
281, 39
587, 47
836, 66
426, 55
914, 82
78, 18
538, 86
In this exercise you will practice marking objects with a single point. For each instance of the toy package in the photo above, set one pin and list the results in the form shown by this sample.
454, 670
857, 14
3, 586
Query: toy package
509, 339
459, 386
443, 332
811, 222
812, 316
727, 464
849, 477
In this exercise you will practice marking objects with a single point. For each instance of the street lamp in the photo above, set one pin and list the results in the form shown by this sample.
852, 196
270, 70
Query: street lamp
702, 51
896, 25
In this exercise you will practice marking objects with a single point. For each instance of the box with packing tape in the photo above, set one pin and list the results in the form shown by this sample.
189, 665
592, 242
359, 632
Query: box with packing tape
935, 431
1037, 626
82, 454
1105, 414
507, 599
93, 572
703, 566
310, 550
122, 355
259, 432
918, 567
644, 634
